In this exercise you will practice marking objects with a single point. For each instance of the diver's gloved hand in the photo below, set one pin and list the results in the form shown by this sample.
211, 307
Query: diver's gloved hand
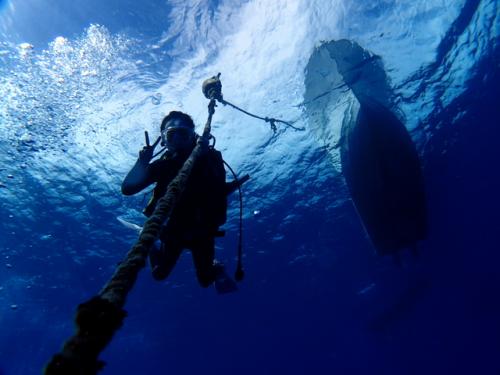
147, 152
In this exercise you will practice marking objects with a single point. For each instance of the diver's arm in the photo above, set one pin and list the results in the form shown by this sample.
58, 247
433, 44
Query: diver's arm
138, 178
140, 175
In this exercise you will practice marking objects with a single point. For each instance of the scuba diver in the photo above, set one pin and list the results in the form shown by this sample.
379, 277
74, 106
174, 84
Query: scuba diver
195, 220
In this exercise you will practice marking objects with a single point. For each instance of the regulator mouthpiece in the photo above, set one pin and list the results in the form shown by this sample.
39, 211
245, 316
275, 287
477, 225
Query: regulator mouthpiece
212, 88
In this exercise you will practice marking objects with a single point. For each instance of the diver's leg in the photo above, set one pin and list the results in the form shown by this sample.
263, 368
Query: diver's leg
208, 270
163, 260
203, 258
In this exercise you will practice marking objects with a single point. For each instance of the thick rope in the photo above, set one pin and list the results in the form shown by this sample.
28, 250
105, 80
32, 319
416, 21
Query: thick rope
98, 319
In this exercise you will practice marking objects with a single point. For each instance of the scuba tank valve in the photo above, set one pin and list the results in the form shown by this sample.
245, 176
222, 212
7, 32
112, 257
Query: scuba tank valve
212, 88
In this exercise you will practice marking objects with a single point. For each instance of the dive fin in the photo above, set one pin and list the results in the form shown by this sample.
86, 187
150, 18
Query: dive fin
129, 225
223, 282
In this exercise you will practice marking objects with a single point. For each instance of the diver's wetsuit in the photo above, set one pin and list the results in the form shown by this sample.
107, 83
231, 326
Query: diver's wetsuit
195, 220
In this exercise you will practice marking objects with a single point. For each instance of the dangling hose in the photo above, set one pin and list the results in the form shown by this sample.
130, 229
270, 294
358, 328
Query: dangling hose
98, 319
239, 273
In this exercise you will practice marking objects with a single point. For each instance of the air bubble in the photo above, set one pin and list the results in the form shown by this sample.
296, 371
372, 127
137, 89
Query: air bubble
26, 46
156, 99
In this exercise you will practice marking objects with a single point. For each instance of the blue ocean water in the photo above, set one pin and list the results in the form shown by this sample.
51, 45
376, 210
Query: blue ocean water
81, 82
